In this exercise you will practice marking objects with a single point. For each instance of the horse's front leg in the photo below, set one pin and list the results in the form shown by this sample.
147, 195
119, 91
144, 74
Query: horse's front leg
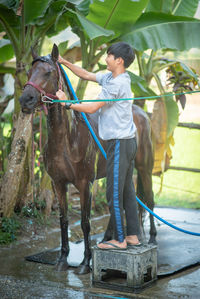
61, 190
85, 199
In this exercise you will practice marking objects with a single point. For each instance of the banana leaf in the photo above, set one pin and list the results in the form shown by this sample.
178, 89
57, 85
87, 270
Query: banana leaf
185, 8
35, 9
160, 6
7, 70
6, 50
172, 115
83, 7
93, 30
160, 31
10, 4
117, 15
140, 87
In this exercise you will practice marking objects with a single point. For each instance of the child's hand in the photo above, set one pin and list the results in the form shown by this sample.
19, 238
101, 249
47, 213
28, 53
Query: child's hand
60, 59
61, 96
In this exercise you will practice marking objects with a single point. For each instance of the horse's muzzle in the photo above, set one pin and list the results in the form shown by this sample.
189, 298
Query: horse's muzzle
27, 111
28, 103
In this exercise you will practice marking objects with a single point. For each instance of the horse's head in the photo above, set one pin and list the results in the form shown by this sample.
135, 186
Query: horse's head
43, 78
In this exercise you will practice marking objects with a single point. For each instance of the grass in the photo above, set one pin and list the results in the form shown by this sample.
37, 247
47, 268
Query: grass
181, 188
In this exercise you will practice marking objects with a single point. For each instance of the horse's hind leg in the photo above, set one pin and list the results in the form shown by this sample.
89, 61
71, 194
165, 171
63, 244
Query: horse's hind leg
146, 179
85, 199
61, 189
140, 194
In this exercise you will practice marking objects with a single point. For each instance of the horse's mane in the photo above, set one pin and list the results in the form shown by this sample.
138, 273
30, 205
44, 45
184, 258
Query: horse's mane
66, 84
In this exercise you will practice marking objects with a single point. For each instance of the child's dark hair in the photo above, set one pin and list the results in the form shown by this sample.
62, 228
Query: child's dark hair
123, 50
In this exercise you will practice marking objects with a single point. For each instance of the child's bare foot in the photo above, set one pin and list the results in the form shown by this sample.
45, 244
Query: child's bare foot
132, 240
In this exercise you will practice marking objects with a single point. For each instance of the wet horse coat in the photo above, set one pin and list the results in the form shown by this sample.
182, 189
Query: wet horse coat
72, 156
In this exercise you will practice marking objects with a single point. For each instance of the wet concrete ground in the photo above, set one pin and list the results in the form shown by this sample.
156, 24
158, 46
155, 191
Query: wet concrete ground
22, 279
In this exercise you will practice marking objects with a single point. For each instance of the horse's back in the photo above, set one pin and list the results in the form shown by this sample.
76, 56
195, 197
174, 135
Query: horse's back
144, 156
145, 150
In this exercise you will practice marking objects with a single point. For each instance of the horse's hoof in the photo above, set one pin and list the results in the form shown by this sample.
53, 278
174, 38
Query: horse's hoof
61, 266
83, 269
152, 241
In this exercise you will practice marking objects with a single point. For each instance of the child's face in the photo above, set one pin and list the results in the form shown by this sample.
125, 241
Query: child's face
111, 62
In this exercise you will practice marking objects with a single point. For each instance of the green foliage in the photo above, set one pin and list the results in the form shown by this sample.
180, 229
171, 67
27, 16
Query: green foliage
11, 4
34, 209
100, 200
160, 6
93, 30
172, 115
83, 7
140, 86
5, 141
5, 238
36, 10
185, 8
160, 31
178, 8
6, 50
8, 230
62, 48
182, 80
117, 15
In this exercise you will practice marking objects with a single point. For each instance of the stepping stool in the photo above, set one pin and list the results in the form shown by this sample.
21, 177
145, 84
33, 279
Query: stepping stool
124, 270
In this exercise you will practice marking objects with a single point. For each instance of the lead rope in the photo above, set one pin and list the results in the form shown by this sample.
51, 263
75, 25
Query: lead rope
105, 156
32, 159
40, 158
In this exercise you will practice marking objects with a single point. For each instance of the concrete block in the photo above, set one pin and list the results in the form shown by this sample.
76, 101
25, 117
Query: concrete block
124, 270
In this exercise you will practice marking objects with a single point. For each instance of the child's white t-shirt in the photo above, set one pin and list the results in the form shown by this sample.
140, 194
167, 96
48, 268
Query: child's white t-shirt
116, 118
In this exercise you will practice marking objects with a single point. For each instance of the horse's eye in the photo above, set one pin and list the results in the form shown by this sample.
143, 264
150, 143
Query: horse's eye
47, 74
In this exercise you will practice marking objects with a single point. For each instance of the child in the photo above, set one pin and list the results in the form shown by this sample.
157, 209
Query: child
115, 125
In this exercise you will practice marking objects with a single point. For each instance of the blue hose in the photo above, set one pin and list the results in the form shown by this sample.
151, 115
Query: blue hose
164, 221
84, 116
105, 156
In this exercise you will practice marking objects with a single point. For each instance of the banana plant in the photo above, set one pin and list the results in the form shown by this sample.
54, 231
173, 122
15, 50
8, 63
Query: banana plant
98, 24
153, 24
164, 25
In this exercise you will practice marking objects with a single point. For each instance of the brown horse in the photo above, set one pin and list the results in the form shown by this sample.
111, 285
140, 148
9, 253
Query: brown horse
72, 156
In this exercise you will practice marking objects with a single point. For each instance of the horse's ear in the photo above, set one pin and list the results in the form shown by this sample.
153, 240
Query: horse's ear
55, 53
34, 53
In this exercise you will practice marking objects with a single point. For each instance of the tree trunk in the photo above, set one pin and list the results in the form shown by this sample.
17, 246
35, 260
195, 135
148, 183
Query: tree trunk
81, 87
25, 188
10, 184
47, 194
82, 84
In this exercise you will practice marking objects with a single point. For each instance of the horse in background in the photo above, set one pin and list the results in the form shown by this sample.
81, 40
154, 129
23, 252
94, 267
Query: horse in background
72, 156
